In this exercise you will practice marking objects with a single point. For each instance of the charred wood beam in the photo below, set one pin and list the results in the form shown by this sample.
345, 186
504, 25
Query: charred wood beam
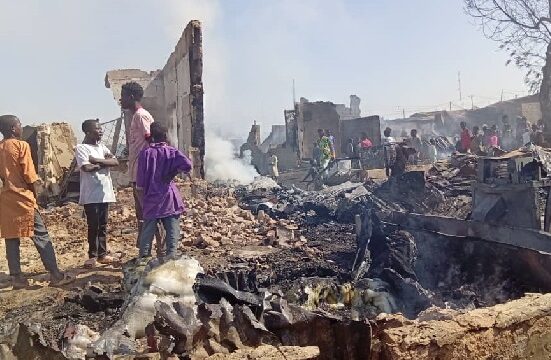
364, 230
507, 235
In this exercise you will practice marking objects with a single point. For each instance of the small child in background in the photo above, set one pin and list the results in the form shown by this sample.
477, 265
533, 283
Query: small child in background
96, 190
158, 164
433, 153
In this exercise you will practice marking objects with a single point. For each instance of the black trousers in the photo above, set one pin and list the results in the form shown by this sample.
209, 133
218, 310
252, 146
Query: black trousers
96, 216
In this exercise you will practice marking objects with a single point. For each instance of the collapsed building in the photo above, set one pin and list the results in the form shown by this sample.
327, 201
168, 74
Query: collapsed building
301, 132
446, 122
52, 150
173, 95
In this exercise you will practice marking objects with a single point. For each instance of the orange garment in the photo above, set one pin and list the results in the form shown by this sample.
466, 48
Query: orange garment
17, 201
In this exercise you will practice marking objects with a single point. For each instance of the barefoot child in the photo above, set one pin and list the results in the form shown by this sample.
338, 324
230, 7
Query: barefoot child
96, 190
158, 164
19, 215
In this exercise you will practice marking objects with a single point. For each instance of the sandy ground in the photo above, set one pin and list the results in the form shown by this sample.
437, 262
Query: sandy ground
67, 229
215, 231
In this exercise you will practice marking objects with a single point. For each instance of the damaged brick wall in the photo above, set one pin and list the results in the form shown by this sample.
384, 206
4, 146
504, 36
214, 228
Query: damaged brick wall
343, 122
52, 148
353, 128
311, 117
174, 95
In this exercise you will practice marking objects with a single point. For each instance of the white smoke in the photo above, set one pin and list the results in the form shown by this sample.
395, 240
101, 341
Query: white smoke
222, 164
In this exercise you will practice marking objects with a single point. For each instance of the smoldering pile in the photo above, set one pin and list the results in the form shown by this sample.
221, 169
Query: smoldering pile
173, 308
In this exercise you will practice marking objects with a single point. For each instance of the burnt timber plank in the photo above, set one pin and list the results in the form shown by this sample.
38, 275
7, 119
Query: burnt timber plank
519, 237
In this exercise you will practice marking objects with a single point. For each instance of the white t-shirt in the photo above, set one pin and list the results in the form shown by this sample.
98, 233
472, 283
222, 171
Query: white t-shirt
96, 186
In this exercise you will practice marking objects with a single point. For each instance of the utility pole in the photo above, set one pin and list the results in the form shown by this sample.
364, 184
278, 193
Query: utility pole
472, 103
459, 85
294, 97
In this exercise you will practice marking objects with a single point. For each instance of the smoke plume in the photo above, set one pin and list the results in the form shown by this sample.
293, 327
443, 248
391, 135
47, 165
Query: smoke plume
222, 164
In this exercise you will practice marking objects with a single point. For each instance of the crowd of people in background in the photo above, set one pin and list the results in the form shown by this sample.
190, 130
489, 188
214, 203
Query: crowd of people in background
152, 162
484, 140
493, 141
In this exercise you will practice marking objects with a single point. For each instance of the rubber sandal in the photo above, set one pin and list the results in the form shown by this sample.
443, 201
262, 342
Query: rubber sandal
108, 260
66, 279
90, 263
19, 283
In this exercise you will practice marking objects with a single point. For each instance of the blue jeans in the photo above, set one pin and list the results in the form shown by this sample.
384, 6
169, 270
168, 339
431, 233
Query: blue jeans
171, 225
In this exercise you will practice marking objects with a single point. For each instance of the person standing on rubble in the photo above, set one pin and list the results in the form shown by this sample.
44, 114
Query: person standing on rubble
316, 153
494, 136
96, 190
19, 214
138, 139
465, 138
326, 149
433, 152
365, 147
522, 127
332, 140
274, 171
389, 150
415, 143
536, 136
476, 142
350, 152
158, 164
507, 134
403, 153
486, 133
349, 148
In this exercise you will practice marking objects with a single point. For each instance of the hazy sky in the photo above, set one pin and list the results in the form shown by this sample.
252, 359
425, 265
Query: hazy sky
393, 54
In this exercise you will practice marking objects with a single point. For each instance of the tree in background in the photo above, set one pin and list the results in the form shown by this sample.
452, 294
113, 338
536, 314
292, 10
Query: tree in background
523, 29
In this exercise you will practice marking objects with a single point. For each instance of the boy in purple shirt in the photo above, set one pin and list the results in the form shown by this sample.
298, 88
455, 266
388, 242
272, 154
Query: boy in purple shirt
158, 164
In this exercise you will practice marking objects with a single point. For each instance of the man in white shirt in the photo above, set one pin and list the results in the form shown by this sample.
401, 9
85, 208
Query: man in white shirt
96, 190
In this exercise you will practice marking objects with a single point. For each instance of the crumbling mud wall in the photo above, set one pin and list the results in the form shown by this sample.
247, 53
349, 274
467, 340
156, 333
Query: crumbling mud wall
53, 149
519, 329
353, 128
276, 137
311, 117
174, 95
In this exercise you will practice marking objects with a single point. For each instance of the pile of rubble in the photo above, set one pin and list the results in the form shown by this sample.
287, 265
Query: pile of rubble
276, 267
218, 220
213, 220
454, 175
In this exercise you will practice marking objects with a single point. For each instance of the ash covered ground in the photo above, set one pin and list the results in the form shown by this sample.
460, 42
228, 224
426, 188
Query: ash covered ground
303, 249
